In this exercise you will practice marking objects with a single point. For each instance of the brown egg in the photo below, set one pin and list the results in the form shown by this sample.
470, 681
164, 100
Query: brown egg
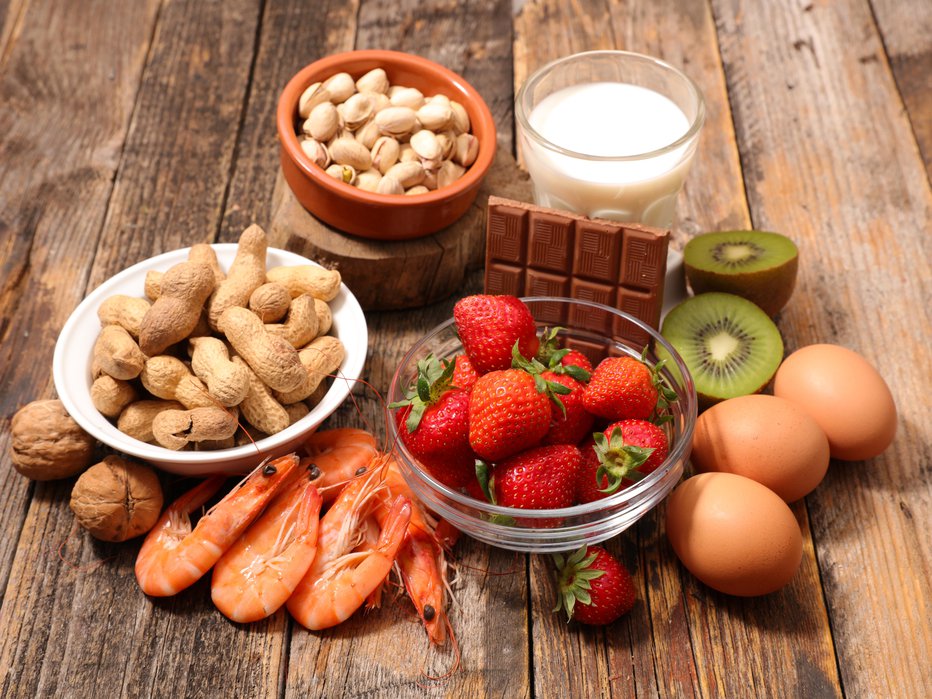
734, 534
768, 439
844, 394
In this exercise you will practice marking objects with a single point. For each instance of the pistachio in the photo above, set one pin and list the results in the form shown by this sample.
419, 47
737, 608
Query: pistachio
396, 121
374, 81
449, 173
467, 148
426, 145
460, 117
385, 153
355, 111
430, 178
406, 154
311, 97
416, 189
316, 151
389, 185
341, 86
409, 97
369, 180
349, 151
435, 116
408, 174
447, 141
341, 132
344, 173
379, 101
322, 122
369, 133
439, 99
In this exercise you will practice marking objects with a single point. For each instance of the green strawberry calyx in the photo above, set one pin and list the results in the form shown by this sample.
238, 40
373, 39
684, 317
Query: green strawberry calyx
573, 579
617, 460
665, 395
551, 356
551, 389
434, 378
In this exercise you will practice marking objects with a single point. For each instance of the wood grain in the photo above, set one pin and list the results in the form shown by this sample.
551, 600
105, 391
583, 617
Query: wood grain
837, 166
713, 198
54, 189
905, 27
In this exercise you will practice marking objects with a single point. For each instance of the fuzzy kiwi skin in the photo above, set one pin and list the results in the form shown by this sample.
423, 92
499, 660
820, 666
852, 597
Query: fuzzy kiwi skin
770, 289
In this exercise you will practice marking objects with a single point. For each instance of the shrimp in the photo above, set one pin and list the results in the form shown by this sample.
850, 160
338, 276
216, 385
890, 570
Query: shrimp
339, 454
421, 561
329, 595
174, 557
259, 572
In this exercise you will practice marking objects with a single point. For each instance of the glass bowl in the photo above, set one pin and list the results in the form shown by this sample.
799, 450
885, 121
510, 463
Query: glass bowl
596, 330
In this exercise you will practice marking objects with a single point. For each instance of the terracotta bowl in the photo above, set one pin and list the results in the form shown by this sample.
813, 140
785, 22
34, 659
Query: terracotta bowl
367, 214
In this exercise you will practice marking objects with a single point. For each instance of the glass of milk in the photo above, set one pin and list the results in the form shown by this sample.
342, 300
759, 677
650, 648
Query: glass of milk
609, 134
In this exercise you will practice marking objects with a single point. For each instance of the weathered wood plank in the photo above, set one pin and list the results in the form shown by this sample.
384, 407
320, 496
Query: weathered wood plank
293, 35
835, 165
84, 632
54, 188
905, 27
713, 199
494, 657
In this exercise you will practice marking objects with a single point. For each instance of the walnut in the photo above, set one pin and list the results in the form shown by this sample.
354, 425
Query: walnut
46, 443
117, 499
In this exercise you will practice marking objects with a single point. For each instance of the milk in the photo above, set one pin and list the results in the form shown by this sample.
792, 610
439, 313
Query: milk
609, 119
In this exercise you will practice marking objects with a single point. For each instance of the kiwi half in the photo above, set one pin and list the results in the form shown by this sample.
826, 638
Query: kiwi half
755, 265
730, 345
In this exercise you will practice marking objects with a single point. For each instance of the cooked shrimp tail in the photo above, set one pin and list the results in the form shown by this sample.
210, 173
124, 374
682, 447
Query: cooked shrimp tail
345, 582
261, 569
174, 557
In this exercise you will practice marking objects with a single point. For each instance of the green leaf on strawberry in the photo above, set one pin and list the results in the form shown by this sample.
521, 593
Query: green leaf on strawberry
574, 579
593, 586
434, 378
618, 460
551, 389
551, 356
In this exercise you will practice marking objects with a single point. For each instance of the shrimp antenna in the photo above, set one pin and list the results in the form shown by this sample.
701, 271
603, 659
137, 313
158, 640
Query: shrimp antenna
457, 657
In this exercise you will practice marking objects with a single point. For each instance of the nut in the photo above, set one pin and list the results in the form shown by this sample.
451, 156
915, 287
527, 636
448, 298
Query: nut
374, 81
311, 97
46, 443
116, 499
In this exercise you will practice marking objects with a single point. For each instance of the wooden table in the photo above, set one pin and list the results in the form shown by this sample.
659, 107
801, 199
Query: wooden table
129, 128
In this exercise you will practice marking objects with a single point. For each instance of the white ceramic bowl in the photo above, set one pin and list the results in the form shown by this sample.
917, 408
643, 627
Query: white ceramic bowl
72, 361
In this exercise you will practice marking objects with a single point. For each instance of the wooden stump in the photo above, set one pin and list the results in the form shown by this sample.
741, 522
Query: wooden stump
398, 274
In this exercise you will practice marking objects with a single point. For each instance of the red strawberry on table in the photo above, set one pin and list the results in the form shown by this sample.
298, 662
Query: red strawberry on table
489, 327
507, 414
572, 422
433, 422
620, 388
628, 451
541, 478
594, 588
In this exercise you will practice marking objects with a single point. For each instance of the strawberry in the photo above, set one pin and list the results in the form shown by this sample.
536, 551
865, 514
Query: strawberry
489, 327
562, 361
594, 587
628, 451
465, 374
588, 487
570, 422
541, 478
507, 413
620, 388
576, 358
433, 422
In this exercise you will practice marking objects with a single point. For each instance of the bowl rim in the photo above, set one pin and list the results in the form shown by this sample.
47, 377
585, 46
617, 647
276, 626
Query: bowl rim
336, 394
475, 105
622, 499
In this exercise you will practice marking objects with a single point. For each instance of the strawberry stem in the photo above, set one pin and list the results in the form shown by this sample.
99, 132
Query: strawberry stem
617, 460
573, 579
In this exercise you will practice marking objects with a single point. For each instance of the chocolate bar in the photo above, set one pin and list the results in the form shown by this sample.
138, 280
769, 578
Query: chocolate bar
533, 251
